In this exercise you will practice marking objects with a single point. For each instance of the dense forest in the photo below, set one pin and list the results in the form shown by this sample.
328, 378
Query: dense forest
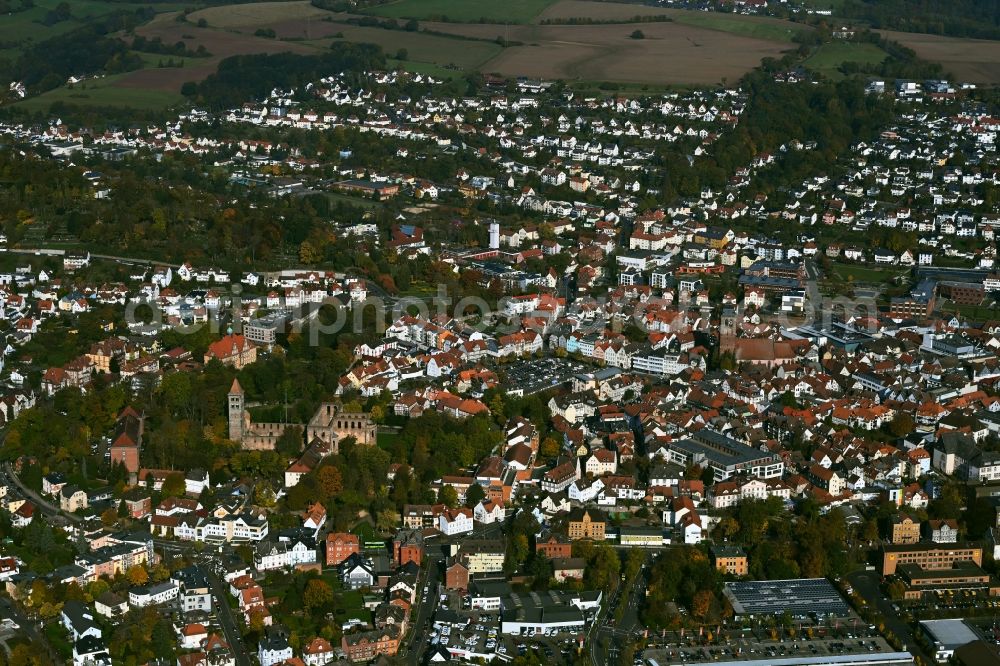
85, 50
249, 77
956, 18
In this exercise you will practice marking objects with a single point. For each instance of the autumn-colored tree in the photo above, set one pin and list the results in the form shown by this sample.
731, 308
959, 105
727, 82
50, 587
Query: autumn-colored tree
330, 481
701, 604
75, 593
317, 594
308, 254
49, 610
24, 655
386, 282
137, 575
256, 621
109, 517
39, 594
549, 448
901, 425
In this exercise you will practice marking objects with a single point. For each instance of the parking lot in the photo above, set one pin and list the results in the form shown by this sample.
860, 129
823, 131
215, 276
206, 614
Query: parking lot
752, 648
537, 375
477, 633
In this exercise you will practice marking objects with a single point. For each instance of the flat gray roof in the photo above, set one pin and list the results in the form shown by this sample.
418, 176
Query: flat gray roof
950, 633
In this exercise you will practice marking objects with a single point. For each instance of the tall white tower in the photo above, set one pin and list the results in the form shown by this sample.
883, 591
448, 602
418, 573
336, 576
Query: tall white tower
494, 235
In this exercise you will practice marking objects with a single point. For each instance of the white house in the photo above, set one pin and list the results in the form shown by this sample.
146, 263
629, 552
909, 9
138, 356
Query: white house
455, 521
153, 595
488, 511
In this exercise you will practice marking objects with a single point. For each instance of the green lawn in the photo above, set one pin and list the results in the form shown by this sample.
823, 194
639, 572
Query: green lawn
830, 56
862, 273
386, 441
747, 26
465, 11
352, 201
970, 311
103, 92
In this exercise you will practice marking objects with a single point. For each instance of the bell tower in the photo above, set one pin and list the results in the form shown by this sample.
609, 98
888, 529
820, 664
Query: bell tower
727, 325
237, 403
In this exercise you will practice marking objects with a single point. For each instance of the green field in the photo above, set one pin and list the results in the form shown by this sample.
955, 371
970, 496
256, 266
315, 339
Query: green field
469, 11
153, 60
467, 54
830, 56
824, 4
625, 89
26, 26
425, 68
747, 26
102, 92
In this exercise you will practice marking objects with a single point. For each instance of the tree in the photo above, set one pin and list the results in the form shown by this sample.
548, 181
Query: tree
109, 517
317, 594
330, 481
448, 496
24, 655
637, 34
701, 604
137, 575
549, 448
162, 641
174, 485
308, 254
474, 495
901, 425
264, 495
517, 552
256, 623
289, 444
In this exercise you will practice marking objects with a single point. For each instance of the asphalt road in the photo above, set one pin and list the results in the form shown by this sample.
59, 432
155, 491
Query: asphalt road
866, 584
225, 615
615, 637
219, 590
418, 641
28, 629
44, 505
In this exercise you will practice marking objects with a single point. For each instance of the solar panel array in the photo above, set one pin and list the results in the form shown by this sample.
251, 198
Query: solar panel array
803, 596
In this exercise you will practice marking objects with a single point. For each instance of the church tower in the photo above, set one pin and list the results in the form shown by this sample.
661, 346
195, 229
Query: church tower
727, 325
237, 402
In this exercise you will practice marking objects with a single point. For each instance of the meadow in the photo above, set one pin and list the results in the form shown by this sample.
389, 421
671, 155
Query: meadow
469, 11
829, 57
103, 92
